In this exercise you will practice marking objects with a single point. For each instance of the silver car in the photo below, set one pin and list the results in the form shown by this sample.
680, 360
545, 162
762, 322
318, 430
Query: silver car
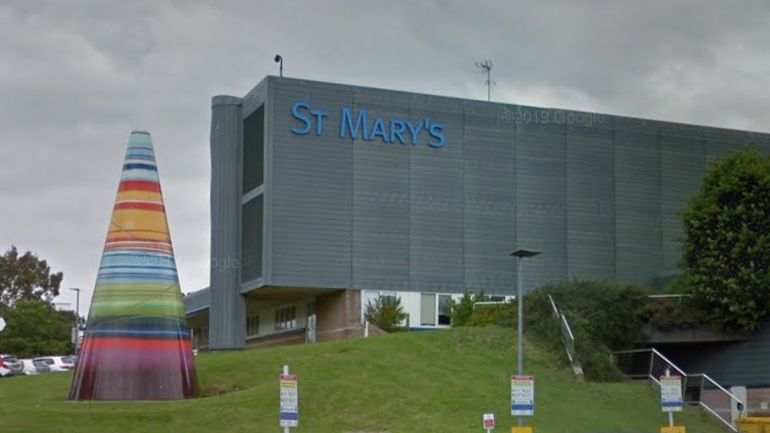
10, 366
32, 367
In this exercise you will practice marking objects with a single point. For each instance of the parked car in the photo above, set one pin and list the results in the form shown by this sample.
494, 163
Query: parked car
32, 366
57, 363
10, 366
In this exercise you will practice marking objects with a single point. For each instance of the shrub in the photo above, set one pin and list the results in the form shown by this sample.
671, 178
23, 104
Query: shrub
386, 313
462, 310
603, 317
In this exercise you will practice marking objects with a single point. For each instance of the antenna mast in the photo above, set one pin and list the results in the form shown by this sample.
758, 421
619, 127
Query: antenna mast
486, 68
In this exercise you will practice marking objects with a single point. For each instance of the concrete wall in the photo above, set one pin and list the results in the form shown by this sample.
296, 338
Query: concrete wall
745, 363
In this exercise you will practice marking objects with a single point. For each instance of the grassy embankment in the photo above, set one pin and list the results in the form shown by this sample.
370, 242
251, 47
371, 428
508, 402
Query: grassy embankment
410, 382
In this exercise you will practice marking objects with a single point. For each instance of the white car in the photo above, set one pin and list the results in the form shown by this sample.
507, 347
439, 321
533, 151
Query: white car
10, 366
56, 363
32, 366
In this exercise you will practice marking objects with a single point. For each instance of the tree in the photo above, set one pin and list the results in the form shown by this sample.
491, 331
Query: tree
386, 313
727, 241
35, 328
26, 278
462, 310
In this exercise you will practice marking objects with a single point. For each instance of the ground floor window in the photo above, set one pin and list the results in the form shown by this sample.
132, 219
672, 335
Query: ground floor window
252, 325
428, 309
435, 309
444, 309
200, 336
286, 318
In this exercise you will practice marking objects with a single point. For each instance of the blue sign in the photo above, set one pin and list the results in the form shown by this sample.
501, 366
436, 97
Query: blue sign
359, 124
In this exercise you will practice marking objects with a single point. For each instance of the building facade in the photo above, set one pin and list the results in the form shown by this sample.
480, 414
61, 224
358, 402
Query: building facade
325, 196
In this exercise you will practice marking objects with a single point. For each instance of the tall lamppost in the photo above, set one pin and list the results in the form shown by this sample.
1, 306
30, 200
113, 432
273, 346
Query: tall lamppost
77, 318
520, 255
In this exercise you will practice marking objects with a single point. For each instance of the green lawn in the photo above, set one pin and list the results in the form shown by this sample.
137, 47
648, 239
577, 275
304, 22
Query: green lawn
410, 382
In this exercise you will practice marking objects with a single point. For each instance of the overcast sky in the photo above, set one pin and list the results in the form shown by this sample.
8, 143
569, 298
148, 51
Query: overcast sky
77, 76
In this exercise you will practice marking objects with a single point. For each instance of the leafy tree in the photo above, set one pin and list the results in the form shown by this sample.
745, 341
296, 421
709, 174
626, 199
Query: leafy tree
727, 244
35, 328
26, 278
386, 313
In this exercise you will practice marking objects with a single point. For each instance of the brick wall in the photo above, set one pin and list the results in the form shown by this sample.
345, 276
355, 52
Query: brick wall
339, 315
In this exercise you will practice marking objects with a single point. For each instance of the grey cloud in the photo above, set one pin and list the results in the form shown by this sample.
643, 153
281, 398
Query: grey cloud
78, 75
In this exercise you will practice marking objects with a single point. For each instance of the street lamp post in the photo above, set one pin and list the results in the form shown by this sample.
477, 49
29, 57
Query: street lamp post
520, 255
77, 319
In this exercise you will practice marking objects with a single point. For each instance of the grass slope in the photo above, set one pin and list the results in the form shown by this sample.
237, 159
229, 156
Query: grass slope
411, 382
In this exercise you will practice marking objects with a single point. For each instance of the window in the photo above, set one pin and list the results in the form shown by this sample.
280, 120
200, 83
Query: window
251, 240
428, 309
253, 150
368, 297
392, 295
252, 325
444, 310
286, 318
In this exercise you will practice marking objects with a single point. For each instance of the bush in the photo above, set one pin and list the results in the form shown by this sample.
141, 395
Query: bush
603, 317
462, 310
386, 313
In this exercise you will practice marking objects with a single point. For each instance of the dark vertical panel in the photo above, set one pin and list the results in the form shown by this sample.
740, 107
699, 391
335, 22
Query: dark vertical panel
251, 239
490, 193
637, 201
253, 149
590, 201
312, 191
541, 201
381, 201
682, 165
436, 201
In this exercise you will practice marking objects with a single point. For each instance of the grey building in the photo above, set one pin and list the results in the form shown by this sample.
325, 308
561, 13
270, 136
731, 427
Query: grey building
324, 196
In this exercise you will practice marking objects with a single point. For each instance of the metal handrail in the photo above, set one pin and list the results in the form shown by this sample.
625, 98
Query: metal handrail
701, 387
567, 327
553, 306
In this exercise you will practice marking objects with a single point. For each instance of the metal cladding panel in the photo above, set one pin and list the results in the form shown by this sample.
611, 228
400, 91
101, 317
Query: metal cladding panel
600, 199
590, 202
312, 193
490, 199
541, 200
436, 259
227, 306
380, 232
682, 165
637, 201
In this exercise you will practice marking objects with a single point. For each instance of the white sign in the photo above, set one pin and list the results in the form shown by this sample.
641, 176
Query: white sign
522, 395
489, 421
289, 401
671, 394
2, 324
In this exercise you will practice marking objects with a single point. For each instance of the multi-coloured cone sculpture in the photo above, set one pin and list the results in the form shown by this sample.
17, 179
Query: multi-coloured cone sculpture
137, 344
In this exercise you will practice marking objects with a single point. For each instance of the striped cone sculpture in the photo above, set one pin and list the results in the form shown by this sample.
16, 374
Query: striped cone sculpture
137, 344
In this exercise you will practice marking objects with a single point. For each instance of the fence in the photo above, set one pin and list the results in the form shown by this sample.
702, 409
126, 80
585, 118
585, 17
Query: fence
568, 338
698, 389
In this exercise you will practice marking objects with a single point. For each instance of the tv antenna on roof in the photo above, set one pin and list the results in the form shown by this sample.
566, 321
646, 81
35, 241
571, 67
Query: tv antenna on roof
486, 68
278, 59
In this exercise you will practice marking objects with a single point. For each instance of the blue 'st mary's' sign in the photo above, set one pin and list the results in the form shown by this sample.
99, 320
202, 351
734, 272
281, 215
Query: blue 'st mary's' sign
352, 124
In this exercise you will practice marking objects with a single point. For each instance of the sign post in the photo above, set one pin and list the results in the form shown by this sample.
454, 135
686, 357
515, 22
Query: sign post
2, 324
289, 401
489, 422
671, 400
522, 400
